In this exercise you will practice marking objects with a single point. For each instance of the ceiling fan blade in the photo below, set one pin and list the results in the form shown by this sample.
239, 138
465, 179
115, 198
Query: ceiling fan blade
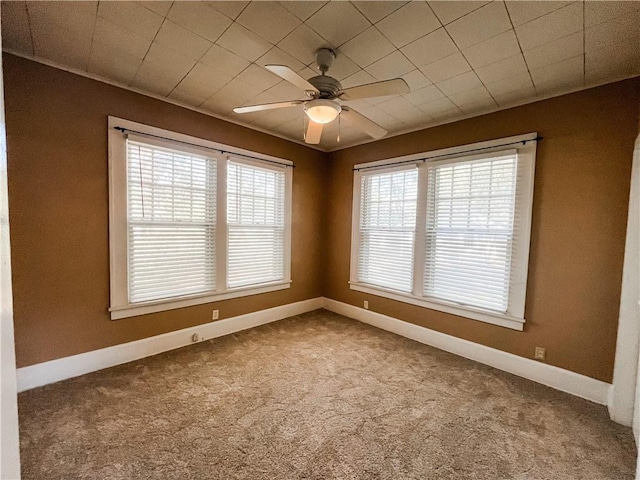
267, 106
363, 123
314, 132
292, 77
397, 86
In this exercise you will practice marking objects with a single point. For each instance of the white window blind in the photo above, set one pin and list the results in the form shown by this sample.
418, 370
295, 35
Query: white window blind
256, 223
387, 228
448, 230
171, 222
469, 231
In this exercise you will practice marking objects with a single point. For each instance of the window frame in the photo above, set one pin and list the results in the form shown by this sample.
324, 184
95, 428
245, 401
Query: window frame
119, 306
526, 151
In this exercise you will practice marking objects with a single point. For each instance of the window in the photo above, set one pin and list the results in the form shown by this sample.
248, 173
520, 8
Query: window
387, 229
450, 232
256, 224
192, 224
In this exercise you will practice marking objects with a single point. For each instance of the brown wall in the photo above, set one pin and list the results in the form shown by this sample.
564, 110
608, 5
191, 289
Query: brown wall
57, 147
583, 170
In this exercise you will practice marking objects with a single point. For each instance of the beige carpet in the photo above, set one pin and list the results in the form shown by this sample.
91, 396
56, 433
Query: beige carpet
318, 396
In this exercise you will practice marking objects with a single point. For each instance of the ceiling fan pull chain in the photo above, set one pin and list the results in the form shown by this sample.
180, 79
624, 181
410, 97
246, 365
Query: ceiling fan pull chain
304, 128
339, 125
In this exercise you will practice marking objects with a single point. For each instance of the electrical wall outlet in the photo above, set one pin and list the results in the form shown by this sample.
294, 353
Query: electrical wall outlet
366, 304
541, 353
215, 315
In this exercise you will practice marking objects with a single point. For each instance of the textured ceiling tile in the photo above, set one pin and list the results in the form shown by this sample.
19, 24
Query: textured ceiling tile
517, 83
292, 129
552, 26
497, 48
475, 96
553, 52
408, 23
264, 97
132, 16
440, 107
110, 39
269, 20
522, 12
430, 48
302, 10
161, 7
203, 81
120, 39
515, 97
508, 67
381, 117
617, 31
77, 18
60, 45
282, 115
277, 56
219, 104
416, 80
445, 68
200, 18
224, 60
338, 22
283, 91
342, 67
231, 9
448, 11
169, 60
396, 104
302, 44
479, 25
413, 117
461, 83
367, 47
257, 76
359, 78
199, 84
16, 33
376, 11
233, 94
186, 96
559, 76
181, 40
479, 108
600, 12
109, 62
153, 78
623, 60
243, 42
424, 95
391, 66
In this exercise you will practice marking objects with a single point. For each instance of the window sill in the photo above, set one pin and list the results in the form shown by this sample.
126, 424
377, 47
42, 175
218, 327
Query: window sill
171, 304
501, 320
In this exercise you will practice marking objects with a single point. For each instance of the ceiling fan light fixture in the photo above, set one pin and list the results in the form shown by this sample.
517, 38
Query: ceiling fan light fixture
322, 110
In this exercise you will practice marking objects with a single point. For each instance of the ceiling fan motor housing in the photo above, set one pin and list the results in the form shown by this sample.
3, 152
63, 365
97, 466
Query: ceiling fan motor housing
324, 59
328, 86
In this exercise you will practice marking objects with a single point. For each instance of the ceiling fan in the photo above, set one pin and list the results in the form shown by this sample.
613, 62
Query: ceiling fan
323, 93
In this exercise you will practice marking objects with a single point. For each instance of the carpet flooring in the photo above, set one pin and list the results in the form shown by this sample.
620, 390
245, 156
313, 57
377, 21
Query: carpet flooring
317, 396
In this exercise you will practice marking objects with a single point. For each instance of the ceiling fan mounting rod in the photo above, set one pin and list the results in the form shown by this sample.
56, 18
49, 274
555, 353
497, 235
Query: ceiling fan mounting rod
324, 59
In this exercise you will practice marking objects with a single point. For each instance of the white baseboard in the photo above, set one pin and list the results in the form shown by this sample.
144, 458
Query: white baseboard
49, 372
554, 377
76, 365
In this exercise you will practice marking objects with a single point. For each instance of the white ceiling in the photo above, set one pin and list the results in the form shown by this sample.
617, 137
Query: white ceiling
460, 58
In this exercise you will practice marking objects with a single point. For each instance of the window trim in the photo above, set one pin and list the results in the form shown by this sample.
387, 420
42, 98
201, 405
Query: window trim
118, 245
524, 203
